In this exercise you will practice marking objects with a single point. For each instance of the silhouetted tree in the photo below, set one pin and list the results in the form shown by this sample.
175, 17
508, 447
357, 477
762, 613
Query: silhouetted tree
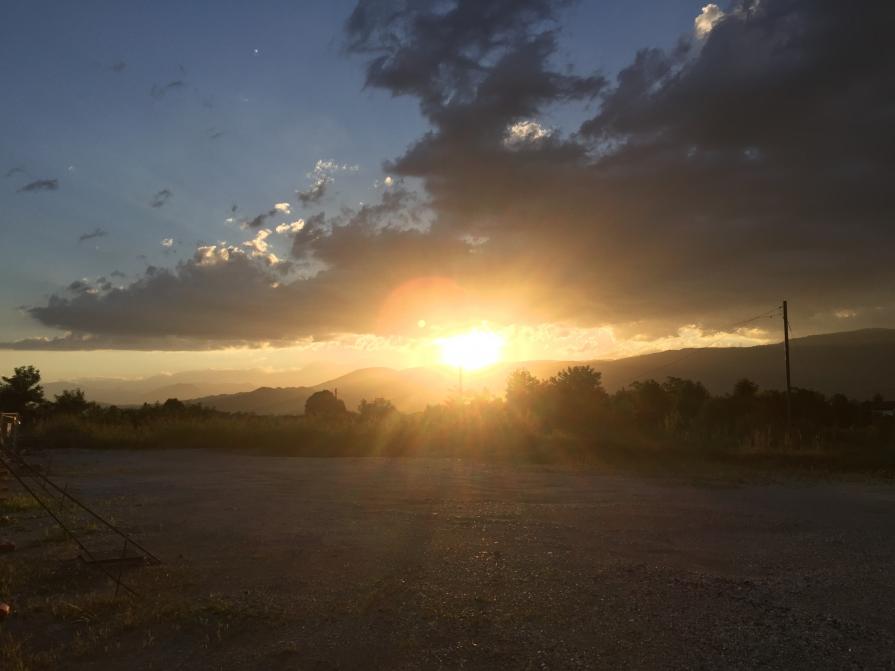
173, 405
685, 399
524, 391
745, 388
651, 403
373, 411
844, 412
324, 404
21, 392
71, 402
574, 397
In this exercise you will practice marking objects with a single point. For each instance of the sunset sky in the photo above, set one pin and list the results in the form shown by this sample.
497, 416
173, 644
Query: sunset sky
273, 184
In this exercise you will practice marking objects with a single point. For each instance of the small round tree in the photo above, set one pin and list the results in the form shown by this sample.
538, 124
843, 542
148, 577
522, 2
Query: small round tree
324, 404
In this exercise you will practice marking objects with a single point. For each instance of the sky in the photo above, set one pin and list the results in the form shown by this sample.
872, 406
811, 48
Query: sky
274, 184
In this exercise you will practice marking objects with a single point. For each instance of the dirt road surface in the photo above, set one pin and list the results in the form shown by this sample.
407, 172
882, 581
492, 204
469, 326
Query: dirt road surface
440, 564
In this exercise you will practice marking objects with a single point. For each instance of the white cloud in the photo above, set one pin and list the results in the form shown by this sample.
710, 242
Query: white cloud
525, 132
330, 167
389, 181
168, 242
322, 175
260, 248
707, 19
259, 244
209, 255
285, 208
294, 227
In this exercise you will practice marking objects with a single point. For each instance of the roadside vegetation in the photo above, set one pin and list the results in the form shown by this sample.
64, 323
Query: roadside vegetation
567, 418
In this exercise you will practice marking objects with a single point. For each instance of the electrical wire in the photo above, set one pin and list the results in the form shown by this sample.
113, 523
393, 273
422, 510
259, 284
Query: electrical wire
770, 314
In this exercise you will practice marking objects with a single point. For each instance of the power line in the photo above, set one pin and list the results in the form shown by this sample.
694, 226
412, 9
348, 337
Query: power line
770, 314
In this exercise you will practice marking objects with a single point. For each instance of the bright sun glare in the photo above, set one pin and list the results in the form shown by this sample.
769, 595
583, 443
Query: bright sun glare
472, 350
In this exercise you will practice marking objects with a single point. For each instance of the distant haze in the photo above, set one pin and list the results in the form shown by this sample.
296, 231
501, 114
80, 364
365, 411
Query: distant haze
858, 364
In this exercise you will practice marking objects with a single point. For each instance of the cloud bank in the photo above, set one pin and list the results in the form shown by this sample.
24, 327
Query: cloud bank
751, 161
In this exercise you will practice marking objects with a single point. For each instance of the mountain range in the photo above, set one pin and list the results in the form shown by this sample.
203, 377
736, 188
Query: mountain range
859, 364
192, 384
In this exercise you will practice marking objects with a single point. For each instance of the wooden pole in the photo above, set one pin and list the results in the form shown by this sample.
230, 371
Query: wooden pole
788, 378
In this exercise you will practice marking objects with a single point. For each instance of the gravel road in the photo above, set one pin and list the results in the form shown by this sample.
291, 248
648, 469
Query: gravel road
423, 564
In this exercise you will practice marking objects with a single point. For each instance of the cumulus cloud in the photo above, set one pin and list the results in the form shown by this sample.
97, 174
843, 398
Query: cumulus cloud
259, 244
285, 208
239, 293
524, 133
168, 242
708, 17
755, 155
708, 181
294, 227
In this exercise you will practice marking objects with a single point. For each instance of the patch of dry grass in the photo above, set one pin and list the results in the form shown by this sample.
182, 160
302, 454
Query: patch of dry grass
17, 503
85, 621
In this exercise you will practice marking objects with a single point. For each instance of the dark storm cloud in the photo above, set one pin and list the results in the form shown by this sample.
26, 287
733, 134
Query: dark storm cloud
218, 295
119, 67
14, 171
715, 176
90, 342
40, 185
160, 198
224, 295
95, 233
711, 180
397, 210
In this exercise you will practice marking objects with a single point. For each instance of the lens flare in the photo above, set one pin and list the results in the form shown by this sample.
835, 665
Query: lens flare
472, 350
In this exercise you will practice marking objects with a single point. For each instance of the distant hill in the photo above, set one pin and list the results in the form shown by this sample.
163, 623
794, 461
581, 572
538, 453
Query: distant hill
410, 389
190, 384
856, 363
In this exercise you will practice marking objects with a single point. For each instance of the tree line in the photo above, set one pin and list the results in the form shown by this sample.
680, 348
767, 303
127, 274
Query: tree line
574, 402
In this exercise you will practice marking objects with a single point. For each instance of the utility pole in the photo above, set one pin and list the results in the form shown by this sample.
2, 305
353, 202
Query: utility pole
788, 380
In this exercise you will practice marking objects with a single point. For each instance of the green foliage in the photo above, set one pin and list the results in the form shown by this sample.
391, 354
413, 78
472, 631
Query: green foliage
21, 392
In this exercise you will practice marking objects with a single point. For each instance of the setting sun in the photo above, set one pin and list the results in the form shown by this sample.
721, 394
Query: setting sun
472, 350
